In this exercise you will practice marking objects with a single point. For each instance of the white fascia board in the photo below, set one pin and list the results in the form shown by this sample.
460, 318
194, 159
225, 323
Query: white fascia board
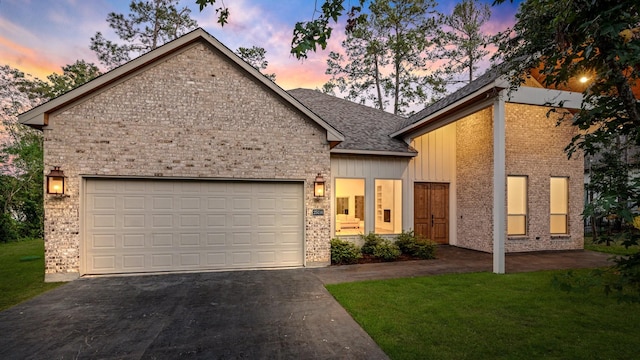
545, 97
449, 119
373, 152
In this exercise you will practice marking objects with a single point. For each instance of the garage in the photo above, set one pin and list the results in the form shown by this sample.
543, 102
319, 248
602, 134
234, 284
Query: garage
144, 225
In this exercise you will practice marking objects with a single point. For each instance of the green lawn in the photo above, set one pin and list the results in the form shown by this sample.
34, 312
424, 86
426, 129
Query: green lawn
614, 248
22, 272
489, 316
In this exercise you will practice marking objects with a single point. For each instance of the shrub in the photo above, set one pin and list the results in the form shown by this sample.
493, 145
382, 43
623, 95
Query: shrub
417, 246
370, 242
344, 252
386, 250
406, 241
425, 249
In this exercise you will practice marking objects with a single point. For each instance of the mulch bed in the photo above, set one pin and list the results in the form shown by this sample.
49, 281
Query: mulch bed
369, 259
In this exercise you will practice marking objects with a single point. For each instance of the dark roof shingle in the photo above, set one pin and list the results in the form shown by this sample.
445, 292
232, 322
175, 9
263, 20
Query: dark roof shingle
364, 128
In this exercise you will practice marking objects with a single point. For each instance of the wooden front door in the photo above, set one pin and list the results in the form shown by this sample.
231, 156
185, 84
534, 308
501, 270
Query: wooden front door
431, 211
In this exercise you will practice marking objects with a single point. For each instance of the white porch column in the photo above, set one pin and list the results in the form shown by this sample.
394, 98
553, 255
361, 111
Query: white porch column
499, 184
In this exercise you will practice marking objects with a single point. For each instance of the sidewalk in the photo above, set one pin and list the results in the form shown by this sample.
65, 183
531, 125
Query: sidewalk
454, 260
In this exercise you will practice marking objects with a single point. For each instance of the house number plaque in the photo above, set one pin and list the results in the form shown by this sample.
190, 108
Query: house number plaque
318, 212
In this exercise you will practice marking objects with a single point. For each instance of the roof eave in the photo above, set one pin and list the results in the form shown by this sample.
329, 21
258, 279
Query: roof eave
499, 84
374, 152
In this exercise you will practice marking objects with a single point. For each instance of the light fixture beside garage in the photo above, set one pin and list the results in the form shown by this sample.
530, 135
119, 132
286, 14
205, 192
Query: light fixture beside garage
318, 186
55, 181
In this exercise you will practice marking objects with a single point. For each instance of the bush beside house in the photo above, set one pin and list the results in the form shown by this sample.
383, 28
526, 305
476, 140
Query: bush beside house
406, 246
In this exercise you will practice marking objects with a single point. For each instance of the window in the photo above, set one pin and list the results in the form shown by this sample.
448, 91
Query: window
350, 206
559, 205
516, 205
388, 207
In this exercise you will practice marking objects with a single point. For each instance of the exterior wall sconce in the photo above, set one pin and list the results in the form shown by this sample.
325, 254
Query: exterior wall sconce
318, 186
55, 181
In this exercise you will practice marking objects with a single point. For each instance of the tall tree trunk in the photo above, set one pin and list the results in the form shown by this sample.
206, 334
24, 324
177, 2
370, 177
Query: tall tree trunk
377, 79
396, 64
156, 25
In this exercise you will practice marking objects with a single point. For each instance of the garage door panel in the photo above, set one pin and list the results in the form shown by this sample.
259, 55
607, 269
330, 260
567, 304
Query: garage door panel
190, 203
162, 203
133, 221
288, 257
242, 204
133, 203
217, 220
107, 241
162, 220
289, 237
240, 239
217, 239
133, 262
151, 225
241, 220
290, 219
266, 238
190, 260
133, 241
161, 240
104, 263
100, 221
266, 220
217, 259
102, 203
216, 204
136, 187
161, 261
190, 220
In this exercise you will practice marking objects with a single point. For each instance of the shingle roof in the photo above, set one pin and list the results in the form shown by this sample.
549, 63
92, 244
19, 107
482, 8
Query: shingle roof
477, 84
364, 128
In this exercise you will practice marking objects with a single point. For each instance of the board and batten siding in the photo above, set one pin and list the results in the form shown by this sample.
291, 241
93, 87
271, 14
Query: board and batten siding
371, 168
436, 162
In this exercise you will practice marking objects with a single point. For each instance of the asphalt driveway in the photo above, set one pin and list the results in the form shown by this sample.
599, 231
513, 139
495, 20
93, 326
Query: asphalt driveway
277, 314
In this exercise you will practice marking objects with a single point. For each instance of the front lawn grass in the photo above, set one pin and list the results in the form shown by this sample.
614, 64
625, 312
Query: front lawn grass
22, 272
489, 316
615, 248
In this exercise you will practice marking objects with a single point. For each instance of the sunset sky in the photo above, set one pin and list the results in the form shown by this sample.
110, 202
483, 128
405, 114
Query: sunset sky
40, 36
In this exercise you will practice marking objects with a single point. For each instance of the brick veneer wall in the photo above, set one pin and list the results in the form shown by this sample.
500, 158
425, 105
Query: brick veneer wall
474, 177
192, 114
535, 148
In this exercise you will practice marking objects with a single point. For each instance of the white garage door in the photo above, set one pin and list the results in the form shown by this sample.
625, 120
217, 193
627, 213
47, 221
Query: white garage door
166, 225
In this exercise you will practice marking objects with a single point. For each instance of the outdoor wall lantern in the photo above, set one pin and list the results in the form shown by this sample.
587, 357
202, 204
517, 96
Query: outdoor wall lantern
318, 186
55, 181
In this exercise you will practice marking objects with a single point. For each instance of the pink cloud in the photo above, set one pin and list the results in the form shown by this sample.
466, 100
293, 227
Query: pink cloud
26, 59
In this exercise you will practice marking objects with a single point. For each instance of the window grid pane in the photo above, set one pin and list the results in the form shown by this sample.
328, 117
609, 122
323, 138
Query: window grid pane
558, 205
350, 204
516, 205
388, 206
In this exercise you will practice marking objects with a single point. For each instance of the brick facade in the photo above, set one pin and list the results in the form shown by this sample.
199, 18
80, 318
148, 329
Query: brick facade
474, 177
192, 114
534, 148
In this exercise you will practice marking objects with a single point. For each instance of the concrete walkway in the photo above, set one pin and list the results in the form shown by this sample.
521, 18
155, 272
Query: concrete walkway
454, 260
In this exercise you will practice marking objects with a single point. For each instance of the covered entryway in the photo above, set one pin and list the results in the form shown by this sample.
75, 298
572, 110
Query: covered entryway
431, 211
133, 226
